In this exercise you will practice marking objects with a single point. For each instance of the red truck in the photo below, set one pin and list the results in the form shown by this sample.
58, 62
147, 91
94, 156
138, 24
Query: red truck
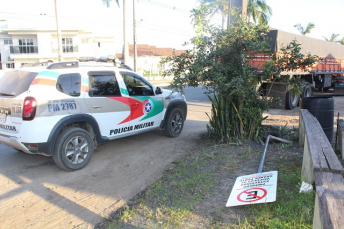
325, 74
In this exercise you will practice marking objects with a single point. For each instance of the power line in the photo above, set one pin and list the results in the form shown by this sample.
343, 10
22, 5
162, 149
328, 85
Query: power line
166, 6
20, 16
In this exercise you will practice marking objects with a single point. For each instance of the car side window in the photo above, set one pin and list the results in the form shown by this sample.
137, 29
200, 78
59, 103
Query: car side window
136, 86
69, 84
103, 84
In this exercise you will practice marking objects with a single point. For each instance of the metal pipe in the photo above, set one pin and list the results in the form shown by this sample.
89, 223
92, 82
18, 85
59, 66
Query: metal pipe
265, 148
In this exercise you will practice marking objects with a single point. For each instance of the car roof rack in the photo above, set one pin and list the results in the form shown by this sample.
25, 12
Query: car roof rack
36, 64
96, 64
61, 65
105, 64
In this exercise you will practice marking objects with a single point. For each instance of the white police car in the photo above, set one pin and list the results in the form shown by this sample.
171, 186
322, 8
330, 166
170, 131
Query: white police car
65, 110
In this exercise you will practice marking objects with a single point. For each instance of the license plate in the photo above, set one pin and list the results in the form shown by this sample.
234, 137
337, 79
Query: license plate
3, 117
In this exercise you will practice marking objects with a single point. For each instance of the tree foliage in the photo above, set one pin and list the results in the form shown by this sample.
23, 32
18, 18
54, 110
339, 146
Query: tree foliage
257, 10
333, 38
341, 41
220, 61
217, 6
306, 30
108, 2
289, 59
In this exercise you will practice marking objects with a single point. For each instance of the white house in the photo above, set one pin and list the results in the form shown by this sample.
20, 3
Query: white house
21, 46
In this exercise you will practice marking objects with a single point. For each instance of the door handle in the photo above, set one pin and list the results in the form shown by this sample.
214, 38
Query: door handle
134, 104
96, 107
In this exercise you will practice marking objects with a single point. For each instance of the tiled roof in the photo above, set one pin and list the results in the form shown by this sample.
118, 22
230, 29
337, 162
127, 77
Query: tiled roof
146, 50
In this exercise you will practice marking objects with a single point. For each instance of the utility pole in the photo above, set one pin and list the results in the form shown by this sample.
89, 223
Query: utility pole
125, 40
135, 40
59, 39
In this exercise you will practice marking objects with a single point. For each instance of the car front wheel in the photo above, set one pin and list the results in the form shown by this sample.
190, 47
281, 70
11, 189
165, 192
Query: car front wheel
174, 123
73, 149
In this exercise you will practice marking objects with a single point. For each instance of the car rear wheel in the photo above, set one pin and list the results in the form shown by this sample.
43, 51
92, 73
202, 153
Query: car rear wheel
73, 149
174, 123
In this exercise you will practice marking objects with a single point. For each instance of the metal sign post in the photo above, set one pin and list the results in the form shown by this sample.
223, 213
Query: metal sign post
256, 188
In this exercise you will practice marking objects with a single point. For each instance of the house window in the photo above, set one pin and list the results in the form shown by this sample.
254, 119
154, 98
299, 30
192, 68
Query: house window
67, 44
26, 45
10, 65
84, 41
8, 42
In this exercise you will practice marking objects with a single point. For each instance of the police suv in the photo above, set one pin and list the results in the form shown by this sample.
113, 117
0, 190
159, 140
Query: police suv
65, 110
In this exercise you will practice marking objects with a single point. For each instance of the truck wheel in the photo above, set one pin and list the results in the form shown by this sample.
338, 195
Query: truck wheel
73, 149
306, 90
174, 123
291, 101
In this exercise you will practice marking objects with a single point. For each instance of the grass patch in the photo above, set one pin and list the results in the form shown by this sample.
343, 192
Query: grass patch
193, 192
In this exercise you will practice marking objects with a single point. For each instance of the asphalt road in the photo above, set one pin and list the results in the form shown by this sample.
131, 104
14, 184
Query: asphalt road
35, 193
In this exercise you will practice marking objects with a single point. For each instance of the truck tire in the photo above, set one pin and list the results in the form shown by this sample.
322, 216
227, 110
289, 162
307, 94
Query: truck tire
174, 123
306, 90
291, 101
73, 149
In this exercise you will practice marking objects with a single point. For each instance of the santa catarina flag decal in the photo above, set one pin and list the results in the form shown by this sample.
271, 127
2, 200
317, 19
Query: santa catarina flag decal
142, 107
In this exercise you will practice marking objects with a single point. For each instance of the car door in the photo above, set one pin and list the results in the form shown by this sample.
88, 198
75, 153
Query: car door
107, 105
147, 108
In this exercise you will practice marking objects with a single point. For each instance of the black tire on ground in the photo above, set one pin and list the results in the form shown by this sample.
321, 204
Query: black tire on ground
73, 149
291, 101
174, 123
306, 90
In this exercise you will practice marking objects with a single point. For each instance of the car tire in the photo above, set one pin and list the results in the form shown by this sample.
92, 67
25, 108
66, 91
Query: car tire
324, 89
291, 101
73, 149
306, 90
174, 123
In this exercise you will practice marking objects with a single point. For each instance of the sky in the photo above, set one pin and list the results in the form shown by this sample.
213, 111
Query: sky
162, 23
327, 16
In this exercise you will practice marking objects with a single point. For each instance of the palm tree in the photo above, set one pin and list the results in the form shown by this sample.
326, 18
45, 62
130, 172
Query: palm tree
305, 31
218, 6
107, 2
258, 11
341, 41
333, 38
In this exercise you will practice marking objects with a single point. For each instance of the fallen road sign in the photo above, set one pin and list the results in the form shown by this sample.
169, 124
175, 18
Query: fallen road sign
254, 189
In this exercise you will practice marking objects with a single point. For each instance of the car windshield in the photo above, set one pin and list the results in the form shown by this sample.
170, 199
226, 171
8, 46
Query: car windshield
16, 82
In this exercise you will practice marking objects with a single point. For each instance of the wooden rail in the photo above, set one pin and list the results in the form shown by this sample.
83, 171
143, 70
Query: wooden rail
321, 166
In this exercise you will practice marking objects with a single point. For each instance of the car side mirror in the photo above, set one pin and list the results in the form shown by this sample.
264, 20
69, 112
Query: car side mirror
158, 91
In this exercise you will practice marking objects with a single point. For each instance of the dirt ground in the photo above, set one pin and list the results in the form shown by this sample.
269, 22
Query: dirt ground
230, 162
290, 118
